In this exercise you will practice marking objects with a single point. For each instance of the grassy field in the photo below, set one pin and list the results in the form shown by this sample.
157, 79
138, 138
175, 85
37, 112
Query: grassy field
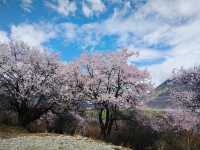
12, 138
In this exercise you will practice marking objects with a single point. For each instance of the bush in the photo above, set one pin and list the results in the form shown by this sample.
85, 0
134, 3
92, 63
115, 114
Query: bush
183, 140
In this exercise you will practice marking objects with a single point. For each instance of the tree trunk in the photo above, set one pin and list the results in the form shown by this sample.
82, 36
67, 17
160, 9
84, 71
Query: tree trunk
102, 126
106, 126
109, 128
23, 118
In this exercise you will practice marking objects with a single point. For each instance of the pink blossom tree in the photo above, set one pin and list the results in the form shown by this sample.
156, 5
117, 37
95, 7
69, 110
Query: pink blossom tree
31, 80
110, 81
188, 91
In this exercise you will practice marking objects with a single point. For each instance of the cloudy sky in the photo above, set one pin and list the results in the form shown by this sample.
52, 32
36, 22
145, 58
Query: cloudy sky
164, 32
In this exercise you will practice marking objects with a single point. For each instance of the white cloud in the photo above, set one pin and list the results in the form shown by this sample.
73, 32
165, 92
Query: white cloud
26, 5
86, 10
146, 54
180, 29
64, 7
173, 9
33, 34
97, 5
92, 7
70, 31
117, 24
3, 37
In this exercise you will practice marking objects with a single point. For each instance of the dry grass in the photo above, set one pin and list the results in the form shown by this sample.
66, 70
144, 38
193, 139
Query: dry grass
54, 142
13, 138
10, 131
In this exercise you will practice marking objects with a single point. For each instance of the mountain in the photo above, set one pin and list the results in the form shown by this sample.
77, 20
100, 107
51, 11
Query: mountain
161, 98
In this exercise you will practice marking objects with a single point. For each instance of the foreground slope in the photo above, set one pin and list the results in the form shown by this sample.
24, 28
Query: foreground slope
54, 142
19, 139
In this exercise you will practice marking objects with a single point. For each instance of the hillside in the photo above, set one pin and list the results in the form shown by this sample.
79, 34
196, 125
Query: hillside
161, 98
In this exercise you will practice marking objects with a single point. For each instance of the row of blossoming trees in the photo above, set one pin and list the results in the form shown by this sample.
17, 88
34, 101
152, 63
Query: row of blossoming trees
35, 81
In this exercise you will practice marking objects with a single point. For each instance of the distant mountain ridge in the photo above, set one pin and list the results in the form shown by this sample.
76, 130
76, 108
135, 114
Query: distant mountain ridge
161, 98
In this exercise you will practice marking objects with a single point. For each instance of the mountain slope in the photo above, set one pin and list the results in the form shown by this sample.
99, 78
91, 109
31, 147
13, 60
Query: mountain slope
161, 98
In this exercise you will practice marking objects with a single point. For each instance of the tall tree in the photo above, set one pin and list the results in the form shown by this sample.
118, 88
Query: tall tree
110, 81
31, 80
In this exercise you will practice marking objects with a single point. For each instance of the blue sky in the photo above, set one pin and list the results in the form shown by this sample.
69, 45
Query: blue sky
164, 32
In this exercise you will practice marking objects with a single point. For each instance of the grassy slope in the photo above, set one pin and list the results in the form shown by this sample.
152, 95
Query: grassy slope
12, 138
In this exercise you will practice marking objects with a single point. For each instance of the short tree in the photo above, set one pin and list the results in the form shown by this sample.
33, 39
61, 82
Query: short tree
30, 78
110, 81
